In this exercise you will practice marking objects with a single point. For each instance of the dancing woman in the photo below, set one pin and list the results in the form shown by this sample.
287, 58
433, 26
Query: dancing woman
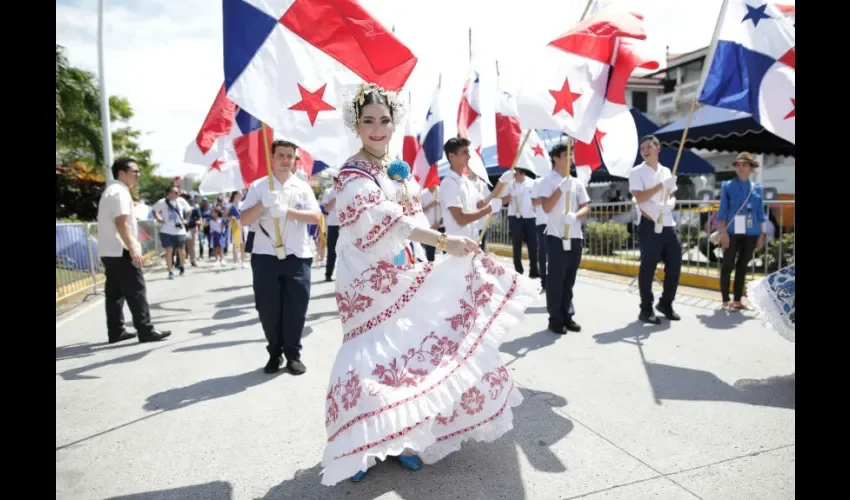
419, 370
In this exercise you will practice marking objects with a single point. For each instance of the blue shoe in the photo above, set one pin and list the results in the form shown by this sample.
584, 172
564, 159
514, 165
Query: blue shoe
359, 476
171, 275
410, 462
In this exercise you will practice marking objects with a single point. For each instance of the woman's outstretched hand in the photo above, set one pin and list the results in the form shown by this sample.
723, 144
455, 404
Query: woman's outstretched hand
459, 246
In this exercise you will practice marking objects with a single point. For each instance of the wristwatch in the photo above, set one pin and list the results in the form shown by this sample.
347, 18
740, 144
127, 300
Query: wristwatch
442, 242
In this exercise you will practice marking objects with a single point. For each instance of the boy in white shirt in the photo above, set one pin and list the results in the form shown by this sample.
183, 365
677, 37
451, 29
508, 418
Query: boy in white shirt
282, 285
564, 250
648, 182
522, 221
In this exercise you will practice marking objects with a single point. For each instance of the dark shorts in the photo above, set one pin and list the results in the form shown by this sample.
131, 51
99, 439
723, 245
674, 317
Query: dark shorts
172, 240
217, 240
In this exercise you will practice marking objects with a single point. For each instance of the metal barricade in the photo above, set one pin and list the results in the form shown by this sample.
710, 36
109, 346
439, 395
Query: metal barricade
611, 236
78, 267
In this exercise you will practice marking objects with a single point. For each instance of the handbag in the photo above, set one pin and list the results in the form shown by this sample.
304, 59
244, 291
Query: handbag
714, 237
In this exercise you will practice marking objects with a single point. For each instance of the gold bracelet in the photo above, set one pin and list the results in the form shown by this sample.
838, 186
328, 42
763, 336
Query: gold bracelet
442, 242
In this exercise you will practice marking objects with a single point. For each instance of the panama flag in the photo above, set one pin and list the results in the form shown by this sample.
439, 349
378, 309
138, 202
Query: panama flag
431, 149
228, 130
410, 146
752, 65
290, 63
469, 112
223, 176
509, 136
564, 86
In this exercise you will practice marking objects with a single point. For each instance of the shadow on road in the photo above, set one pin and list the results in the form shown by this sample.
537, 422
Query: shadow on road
205, 390
635, 330
477, 470
216, 490
723, 320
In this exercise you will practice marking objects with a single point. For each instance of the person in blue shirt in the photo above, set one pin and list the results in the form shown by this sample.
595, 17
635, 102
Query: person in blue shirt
740, 220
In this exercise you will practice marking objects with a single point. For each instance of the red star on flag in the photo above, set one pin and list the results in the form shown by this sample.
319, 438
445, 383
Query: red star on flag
478, 150
793, 112
564, 98
598, 136
538, 150
312, 103
216, 165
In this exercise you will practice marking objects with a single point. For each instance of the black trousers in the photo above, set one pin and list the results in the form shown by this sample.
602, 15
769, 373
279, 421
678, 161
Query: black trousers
281, 296
737, 256
333, 236
561, 277
125, 282
483, 244
655, 248
524, 230
542, 246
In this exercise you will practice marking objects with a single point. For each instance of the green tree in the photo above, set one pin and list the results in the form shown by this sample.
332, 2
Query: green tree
79, 142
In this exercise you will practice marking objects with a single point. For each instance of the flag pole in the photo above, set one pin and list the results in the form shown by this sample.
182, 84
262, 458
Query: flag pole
527, 134
708, 60
271, 181
104, 97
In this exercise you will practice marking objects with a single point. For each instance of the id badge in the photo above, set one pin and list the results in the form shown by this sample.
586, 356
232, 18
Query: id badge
740, 224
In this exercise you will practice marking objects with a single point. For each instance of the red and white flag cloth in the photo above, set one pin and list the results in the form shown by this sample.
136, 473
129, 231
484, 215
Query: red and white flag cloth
291, 62
469, 112
509, 135
223, 176
564, 87
616, 134
587, 159
410, 145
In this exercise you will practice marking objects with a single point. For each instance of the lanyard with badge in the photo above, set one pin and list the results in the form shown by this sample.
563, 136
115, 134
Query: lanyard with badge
744, 222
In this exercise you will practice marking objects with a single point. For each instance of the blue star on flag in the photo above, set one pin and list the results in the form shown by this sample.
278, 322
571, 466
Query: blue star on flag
428, 116
755, 14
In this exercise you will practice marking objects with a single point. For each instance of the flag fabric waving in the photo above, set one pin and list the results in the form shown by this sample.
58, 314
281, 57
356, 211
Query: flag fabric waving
431, 149
410, 145
564, 88
289, 63
752, 65
469, 112
616, 134
534, 157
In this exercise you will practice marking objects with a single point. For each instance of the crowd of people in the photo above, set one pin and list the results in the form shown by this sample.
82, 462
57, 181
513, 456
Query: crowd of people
407, 383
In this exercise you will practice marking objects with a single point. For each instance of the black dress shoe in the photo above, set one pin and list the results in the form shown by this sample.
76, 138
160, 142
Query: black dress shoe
649, 317
274, 364
573, 326
122, 336
155, 336
560, 330
295, 366
668, 312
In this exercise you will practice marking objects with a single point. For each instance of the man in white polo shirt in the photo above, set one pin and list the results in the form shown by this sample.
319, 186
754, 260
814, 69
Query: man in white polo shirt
121, 253
648, 182
282, 285
563, 250
522, 221
460, 197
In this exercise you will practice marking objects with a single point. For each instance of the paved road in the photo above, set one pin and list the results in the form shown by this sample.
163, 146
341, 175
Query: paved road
703, 408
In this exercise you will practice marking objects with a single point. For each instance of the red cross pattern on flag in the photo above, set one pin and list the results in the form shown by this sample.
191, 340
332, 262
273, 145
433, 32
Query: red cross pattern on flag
290, 62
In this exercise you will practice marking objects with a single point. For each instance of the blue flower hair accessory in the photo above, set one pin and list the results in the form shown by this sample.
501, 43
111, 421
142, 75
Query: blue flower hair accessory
398, 170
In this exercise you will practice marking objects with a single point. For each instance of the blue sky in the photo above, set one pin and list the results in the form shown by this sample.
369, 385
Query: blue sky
165, 55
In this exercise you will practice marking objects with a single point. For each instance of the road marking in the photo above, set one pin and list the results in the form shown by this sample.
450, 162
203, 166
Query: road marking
64, 320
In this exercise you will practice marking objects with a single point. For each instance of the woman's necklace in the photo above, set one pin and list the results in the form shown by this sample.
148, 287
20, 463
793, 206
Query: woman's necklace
382, 160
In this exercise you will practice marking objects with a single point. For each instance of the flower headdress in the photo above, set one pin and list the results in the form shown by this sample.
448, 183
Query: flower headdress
353, 103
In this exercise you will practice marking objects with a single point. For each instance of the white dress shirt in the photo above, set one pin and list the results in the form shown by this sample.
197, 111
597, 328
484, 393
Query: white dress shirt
555, 218
643, 177
539, 213
332, 218
520, 193
458, 191
296, 237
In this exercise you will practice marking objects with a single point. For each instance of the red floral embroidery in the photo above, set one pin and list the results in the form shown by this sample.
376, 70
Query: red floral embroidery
437, 354
471, 352
440, 419
351, 305
384, 277
378, 231
472, 401
497, 379
492, 267
348, 393
350, 213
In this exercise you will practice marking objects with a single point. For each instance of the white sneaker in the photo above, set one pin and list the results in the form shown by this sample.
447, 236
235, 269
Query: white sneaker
244, 265
217, 263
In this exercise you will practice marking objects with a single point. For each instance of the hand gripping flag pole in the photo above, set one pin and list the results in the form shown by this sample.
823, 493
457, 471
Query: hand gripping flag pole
280, 249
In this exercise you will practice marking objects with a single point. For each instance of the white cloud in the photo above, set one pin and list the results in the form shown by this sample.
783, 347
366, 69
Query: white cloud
165, 55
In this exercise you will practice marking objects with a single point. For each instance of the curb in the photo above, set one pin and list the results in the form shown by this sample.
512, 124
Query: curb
630, 270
